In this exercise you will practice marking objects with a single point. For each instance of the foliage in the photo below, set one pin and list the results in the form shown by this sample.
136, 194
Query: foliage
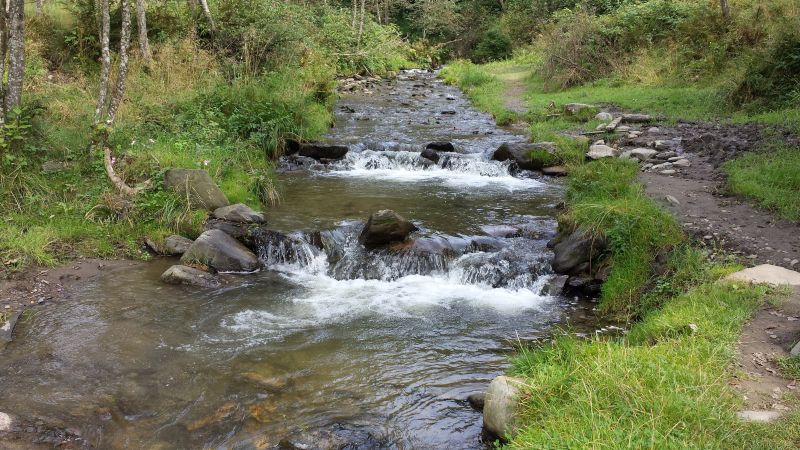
485, 90
772, 178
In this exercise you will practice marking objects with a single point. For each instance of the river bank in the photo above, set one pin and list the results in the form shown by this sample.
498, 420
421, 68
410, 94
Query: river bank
678, 358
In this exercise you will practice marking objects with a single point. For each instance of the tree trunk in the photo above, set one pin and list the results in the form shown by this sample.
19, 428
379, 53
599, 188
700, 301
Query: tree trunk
3, 52
105, 68
141, 24
355, 14
39, 6
122, 73
207, 12
16, 54
726, 12
361, 22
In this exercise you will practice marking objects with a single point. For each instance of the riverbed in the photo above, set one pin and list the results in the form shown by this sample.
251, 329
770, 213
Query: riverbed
371, 349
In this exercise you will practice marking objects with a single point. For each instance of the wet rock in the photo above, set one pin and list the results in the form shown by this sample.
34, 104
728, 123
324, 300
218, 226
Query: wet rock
555, 286
662, 166
500, 405
242, 232
430, 154
294, 162
477, 401
197, 185
5, 422
604, 116
643, 154
574, 249
218, 250
223, 412
441, 146
320, 151
682, 163
599, 151
179, 274
523, 154
664, 145
176, 245
240, 213
665, 155
582, 284
384, 227
637, 118
555, 171
7, 328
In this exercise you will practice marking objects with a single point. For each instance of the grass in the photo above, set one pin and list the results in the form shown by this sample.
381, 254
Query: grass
485, 90
771, 178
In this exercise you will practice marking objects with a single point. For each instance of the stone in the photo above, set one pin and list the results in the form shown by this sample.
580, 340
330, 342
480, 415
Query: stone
176, 245
430, 154
614, 124
766, 274
604, 116
555, 285
242, 232
795, 351
179, 274
5, 422
384, 227
682, 163
555, 171
56, 166
643, 154
654, 130
599, 151
662, 166
623, 129
7, 328
218, 250
626, 155
321, 151
668, 172
571, 251
500, 405
758, 416
672, 200
197, 185
664, 145
521, 153
477, 401
637, 118
573, 109
240, 213
665, 155
441, 146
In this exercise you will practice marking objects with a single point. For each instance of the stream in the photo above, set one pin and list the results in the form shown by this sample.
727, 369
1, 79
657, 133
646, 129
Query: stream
333, 346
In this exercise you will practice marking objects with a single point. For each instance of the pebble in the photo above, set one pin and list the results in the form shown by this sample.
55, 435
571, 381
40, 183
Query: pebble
653, 130
667, 172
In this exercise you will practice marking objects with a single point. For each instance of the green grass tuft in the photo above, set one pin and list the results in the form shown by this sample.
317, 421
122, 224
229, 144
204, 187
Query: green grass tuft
771, 179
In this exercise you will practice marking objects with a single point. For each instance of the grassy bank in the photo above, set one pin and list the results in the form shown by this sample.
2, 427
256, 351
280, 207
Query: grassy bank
664, 384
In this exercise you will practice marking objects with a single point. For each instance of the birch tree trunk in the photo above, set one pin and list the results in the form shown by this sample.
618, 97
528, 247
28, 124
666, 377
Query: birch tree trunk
726, 12
105, 57
207, 12
122, 73
361, 22
355, 14
3, 52
16, 54
141, 25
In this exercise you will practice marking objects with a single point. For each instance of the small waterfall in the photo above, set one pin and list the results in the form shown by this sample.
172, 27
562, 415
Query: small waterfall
361, 158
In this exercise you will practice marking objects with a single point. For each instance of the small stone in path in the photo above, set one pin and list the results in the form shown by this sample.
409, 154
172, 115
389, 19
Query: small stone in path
667, 172
767, 274
672, 200
758, 416
604, 116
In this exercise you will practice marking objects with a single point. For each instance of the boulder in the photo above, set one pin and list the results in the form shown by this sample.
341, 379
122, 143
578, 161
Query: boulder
218, 250
573, 250
500, 405
683, 162
767, 274
197, 185
555, 285
441, 146
637, 118
179, 274
523, 154
614, 124
643, 154
430, 154
604, 116
555, 171
477, 400
238, 213
176, 245
320, 151
573, 109
242, 232
7, 328
384, 227
599, 151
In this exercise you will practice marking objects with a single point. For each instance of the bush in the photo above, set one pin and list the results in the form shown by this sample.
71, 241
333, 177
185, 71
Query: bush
494, 44
773, 78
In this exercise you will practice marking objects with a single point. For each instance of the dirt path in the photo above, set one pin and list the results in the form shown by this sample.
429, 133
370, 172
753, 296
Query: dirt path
514, 79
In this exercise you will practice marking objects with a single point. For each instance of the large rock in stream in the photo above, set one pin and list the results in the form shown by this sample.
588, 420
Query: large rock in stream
500, 405
176, 245
221, 252
573, 252
527, 156
197, 185
240, 213
179, 274
316, 150
385, 227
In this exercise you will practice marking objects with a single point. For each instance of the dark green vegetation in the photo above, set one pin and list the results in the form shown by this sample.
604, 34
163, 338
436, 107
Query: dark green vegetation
223, 99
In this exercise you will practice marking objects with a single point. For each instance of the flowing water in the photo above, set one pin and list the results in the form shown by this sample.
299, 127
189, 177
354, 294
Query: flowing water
332, 345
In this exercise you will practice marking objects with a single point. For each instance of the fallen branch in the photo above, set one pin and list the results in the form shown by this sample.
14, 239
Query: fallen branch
115, 179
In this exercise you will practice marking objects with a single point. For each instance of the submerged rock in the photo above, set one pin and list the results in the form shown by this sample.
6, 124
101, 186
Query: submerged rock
7, 328
239, 213
179, 274
555, 171
523, 154
197, 185
441, 146
500, 405
384, 227
555, 286
218, 250
176, 245
477, 401
430, 154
